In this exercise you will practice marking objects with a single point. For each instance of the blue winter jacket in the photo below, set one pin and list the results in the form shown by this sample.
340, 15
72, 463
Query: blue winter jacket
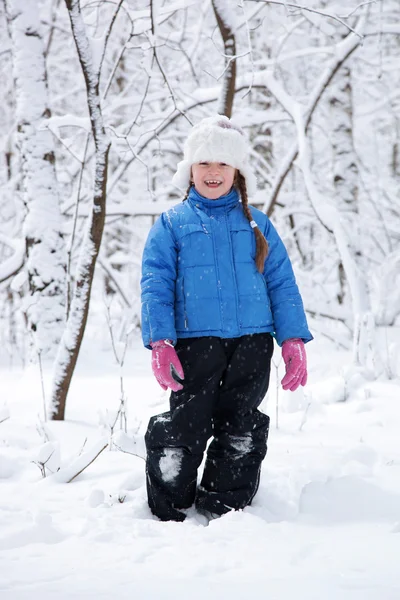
199, 276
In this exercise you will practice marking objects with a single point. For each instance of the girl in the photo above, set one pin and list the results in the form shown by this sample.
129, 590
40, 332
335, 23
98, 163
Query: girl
217, 286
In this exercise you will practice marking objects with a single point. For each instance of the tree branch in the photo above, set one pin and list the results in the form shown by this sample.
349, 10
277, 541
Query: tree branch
318, 12
82, 462
344, 49
156, 57
109, 271
73, 333
228, 85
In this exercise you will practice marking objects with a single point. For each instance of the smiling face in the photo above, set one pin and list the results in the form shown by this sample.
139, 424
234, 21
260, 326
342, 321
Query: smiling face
212, 179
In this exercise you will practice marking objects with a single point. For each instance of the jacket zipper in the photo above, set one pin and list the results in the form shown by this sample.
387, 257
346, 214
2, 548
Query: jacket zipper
184, 304
229, 234
216, 273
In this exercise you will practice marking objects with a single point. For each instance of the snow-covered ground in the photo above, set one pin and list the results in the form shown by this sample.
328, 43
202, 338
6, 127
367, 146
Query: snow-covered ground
324, 525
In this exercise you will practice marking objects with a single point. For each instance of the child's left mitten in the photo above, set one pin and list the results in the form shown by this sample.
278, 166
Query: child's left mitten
295, 358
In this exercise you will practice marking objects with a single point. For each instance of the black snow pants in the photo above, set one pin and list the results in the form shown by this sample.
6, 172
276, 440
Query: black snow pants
225, 382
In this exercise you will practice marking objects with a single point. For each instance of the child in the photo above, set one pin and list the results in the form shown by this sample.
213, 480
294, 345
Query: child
217, 285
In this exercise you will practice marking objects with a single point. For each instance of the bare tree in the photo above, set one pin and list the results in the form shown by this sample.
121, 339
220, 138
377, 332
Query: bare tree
45, 252
73, 334
345, 170
329, 216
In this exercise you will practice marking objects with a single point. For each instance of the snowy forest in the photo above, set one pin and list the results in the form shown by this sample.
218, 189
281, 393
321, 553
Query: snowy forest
97, 100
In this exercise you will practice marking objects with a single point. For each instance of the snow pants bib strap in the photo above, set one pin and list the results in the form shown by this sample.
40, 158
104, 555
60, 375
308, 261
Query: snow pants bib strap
225, 382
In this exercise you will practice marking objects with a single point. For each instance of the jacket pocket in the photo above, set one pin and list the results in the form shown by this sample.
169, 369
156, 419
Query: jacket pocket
198, 307
243, 242
195, 245
254, 302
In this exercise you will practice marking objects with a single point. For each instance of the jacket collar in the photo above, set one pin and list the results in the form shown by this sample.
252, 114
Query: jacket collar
222, 204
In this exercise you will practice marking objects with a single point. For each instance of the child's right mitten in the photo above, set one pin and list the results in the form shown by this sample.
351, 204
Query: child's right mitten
165, 361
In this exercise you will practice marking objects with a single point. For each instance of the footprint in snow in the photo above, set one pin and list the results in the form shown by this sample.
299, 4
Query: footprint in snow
42, 532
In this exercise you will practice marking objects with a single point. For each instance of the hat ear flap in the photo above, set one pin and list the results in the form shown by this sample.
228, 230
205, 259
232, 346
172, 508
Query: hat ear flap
182, 177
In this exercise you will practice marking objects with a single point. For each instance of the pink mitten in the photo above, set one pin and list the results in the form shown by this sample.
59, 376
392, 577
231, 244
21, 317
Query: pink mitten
294, 355
164, 360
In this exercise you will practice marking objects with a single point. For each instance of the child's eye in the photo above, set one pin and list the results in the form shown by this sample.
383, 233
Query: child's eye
204, 164
223, 165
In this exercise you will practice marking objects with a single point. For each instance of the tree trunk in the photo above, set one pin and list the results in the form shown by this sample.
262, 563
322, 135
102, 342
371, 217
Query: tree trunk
345, 185
345, 171
45, 251
364, 347
344, 49
73, 334
222, 11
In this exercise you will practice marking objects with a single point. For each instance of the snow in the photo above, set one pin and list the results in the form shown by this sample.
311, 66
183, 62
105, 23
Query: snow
68, 120
227, 13
74, 518
326, 211
94, 228
324, 524
143, 16
342, 50
170, 463
14, 263
41, 238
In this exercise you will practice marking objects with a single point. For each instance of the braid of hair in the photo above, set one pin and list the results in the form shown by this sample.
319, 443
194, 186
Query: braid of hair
261, 242
187, 193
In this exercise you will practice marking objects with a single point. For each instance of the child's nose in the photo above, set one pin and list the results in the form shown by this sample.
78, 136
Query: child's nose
214, 169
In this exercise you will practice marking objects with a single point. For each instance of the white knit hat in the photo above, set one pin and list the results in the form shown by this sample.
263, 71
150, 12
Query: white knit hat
216, 139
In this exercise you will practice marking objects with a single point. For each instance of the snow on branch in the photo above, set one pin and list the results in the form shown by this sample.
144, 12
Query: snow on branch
42, 229
10, 266
343, 50
356, 8
4, 413
55, 123
226, 22
152, 41
89, 69
68, 474
249, 45
143, 16
225, 10
73, 333
113, 275
329, 216
321, 12
99, 44
386, 283
325, 210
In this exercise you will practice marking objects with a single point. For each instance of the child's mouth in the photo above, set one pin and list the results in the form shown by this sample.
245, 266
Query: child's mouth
213, 184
